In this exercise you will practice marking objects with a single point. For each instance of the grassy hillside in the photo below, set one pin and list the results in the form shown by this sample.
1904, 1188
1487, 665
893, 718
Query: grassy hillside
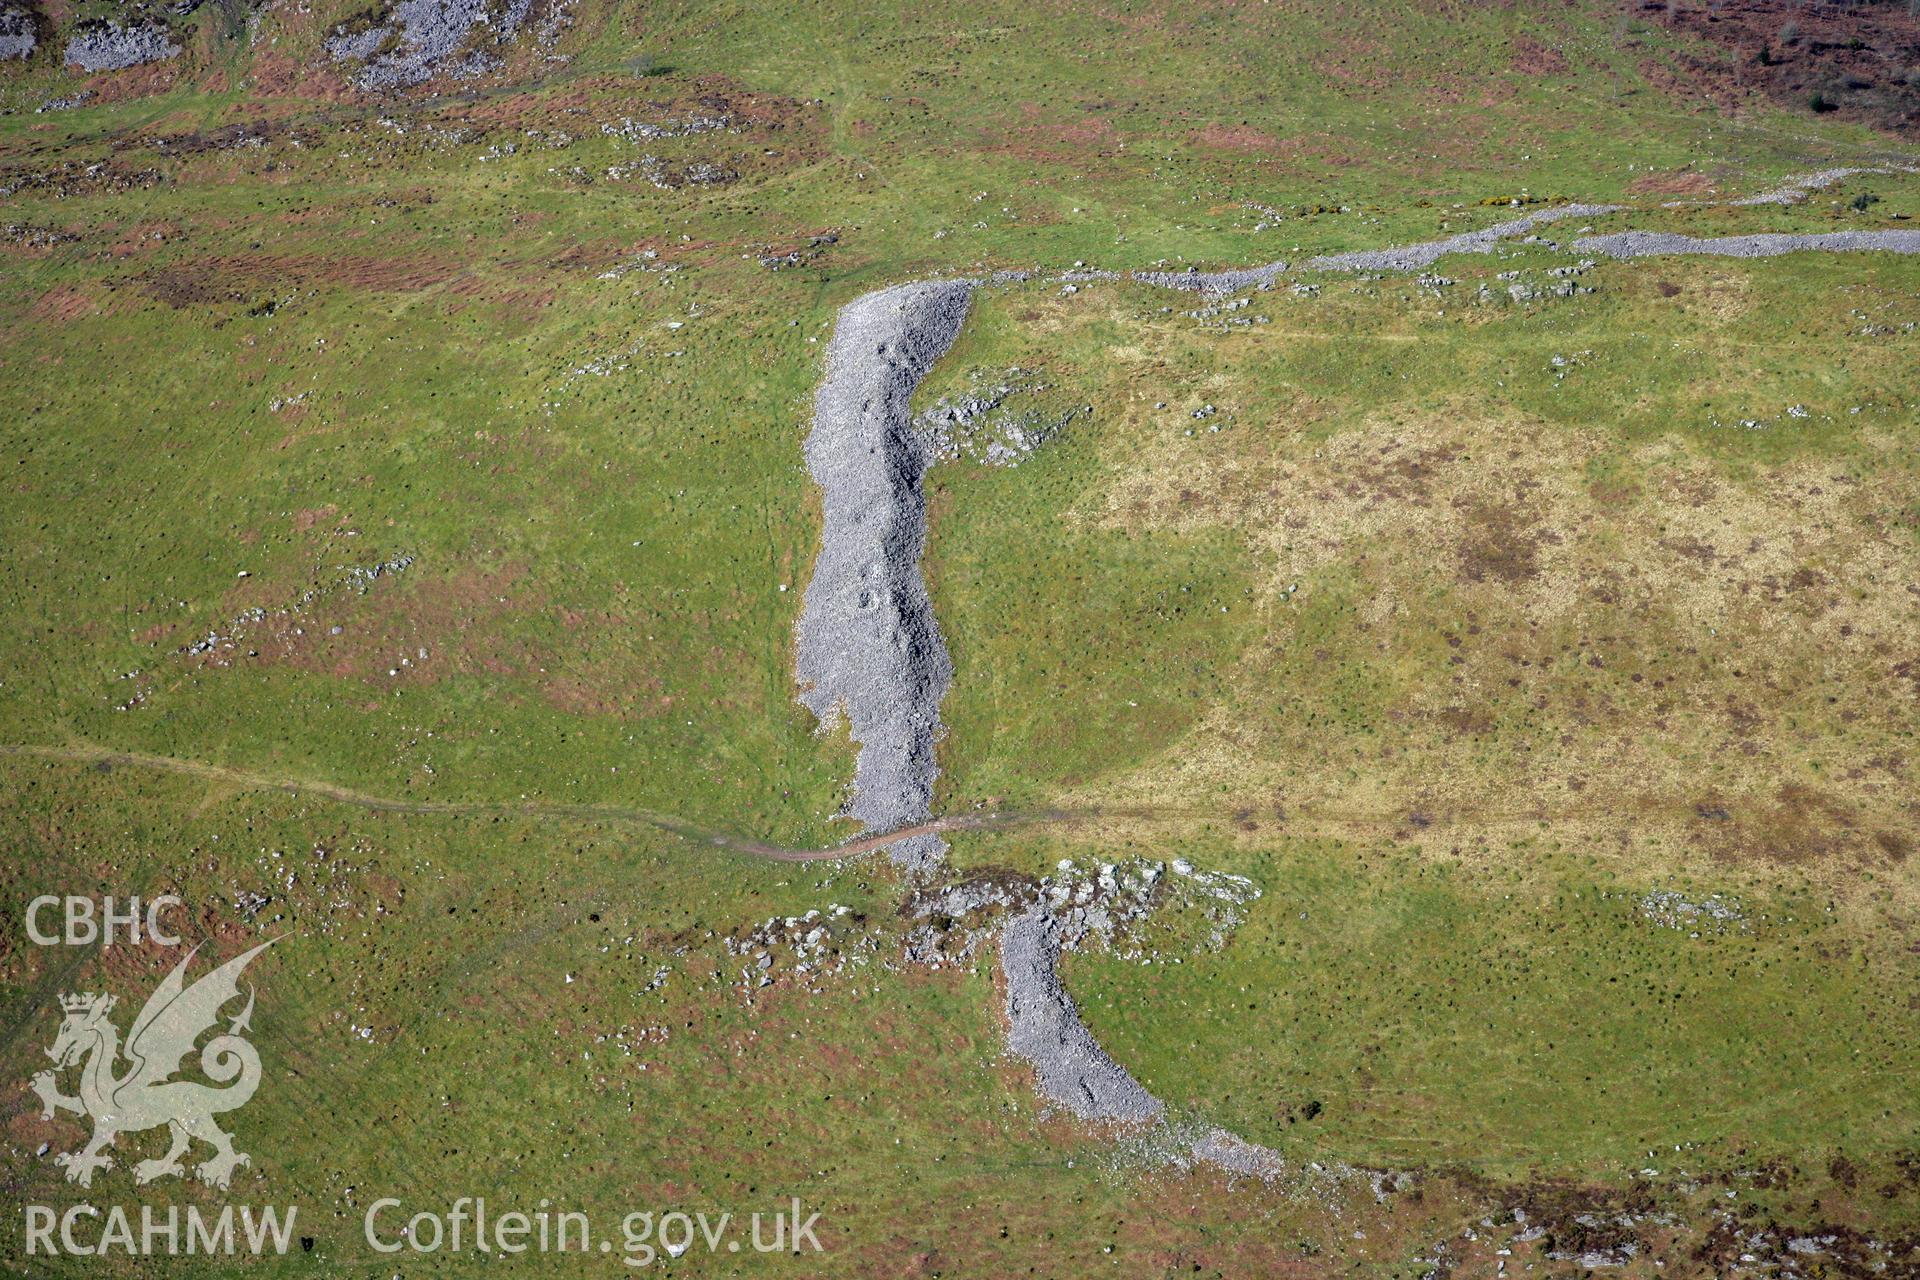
1635, 556
406, 528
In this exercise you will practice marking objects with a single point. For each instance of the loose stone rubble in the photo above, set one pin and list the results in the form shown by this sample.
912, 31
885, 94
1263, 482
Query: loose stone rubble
1641, 244
421, 39
1418, 257
109, 46
974, 426
1797, 189
1214, 281
67, 103
17, 35
1715, 912
358, 579
811, 945
1044, 1026
868, 645
869, 648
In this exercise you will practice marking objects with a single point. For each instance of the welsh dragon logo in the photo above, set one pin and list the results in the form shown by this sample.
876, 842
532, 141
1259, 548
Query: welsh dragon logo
143, 1095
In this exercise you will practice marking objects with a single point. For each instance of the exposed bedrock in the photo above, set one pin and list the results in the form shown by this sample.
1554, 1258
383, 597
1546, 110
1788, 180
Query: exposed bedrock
868, 646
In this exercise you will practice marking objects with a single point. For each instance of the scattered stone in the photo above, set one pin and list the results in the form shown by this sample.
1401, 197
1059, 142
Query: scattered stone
686, 126
1715, 912
361, 577
67, 103
29, 236
972, 426
221, 641
654, 170
774, 259
1794, 190
1224, 315
806, 947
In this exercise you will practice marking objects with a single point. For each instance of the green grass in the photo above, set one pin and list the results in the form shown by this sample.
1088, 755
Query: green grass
513, 1050
1516, 1021
1456, 575
474, 367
